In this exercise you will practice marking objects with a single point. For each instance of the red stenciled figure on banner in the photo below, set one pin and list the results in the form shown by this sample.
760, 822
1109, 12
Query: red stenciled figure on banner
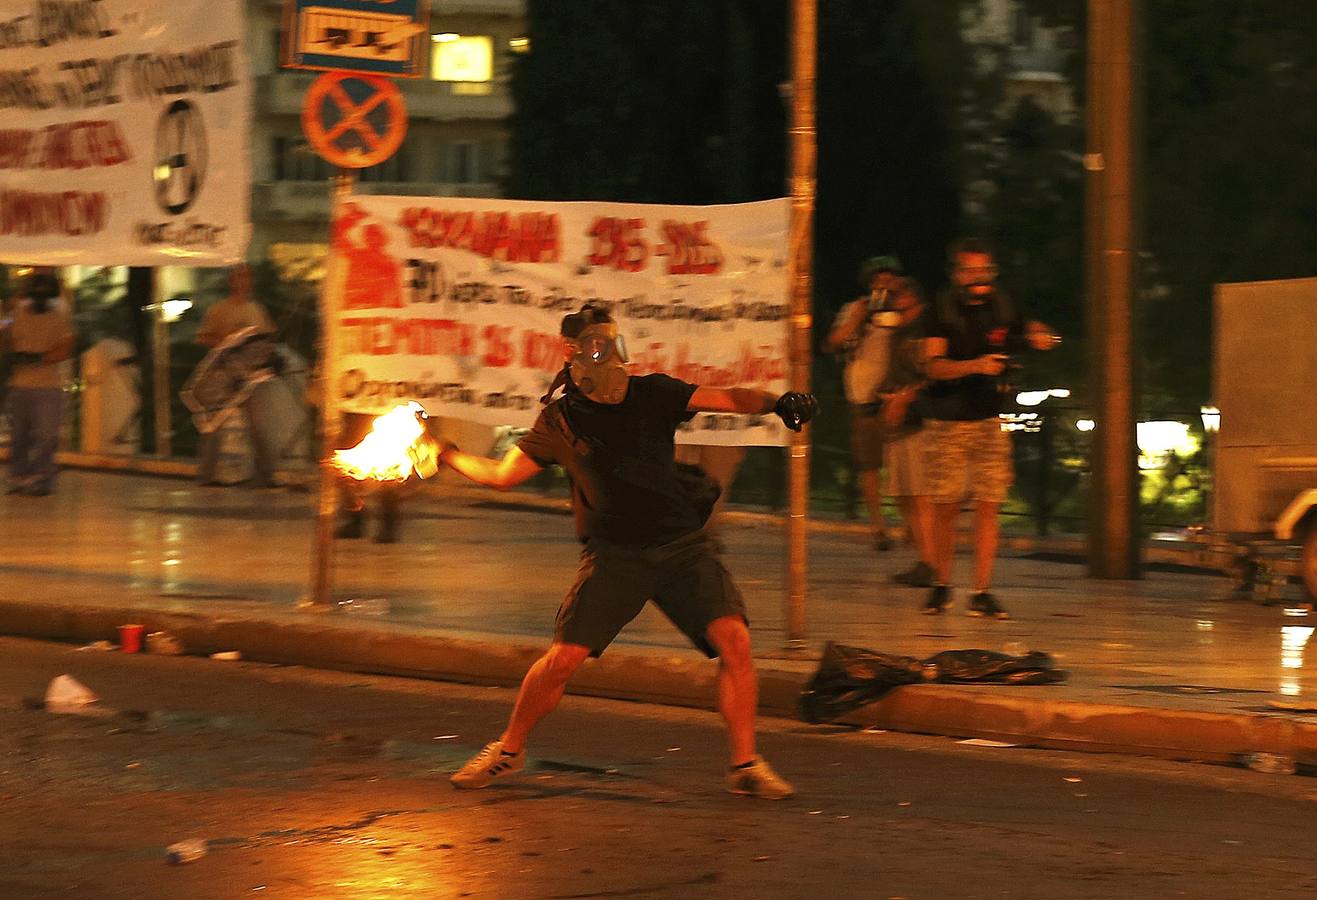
374, 278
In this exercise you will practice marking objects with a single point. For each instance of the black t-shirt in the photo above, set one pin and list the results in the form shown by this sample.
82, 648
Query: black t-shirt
624, 488
971, 330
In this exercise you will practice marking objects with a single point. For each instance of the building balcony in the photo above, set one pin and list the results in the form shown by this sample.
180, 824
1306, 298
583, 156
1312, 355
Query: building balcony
441, 8
283, 93
308, 201
510, 8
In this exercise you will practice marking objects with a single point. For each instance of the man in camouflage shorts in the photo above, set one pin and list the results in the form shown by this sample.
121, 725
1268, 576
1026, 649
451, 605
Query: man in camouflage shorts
973, 328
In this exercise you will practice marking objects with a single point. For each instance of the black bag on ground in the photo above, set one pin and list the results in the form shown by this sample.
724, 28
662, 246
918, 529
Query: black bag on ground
850, 677
970, 666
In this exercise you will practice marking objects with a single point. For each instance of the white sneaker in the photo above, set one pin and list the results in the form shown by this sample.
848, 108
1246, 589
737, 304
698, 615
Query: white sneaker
759, 780
485, 766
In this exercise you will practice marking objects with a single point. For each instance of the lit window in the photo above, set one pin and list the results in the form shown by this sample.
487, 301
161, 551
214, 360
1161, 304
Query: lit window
464, 58
519, 45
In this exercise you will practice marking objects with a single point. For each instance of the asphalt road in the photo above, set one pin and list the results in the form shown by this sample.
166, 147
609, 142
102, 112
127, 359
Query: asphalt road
323, 785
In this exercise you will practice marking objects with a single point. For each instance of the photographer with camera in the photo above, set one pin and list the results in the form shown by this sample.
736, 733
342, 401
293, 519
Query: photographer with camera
36, 340
972, 334
862, 335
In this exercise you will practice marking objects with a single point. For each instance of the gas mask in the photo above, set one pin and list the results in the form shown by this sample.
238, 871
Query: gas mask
598, 363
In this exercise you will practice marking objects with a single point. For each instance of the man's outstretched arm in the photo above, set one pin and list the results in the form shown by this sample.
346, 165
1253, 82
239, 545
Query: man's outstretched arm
732, 400
501, 474
793, 408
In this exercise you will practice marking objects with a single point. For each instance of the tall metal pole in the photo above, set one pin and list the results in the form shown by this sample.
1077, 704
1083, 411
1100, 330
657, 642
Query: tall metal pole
804, 54
1111, 238
331, 292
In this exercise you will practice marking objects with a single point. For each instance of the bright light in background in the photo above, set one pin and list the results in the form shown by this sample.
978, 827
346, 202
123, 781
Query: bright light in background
519, 45
1029, 422
1158, 440
1211, 418
1086, 424
172, 310
466, 58
444, 38
1033, 398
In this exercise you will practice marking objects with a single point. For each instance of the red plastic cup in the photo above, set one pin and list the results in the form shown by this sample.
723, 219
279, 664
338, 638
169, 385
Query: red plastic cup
130, 638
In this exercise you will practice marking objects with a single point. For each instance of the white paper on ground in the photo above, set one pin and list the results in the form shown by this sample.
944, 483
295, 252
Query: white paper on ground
67, 694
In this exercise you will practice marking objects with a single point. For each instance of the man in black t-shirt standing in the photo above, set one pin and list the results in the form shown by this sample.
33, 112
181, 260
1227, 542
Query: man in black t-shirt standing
971, 333
642, 528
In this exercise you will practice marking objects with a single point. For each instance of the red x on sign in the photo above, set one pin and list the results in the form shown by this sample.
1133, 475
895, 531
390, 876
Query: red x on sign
354, 121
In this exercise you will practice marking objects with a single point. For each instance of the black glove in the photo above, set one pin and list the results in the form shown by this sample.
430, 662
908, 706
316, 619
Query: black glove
795, 409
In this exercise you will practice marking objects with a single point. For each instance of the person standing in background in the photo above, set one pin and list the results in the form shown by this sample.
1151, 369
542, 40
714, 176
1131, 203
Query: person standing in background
907, 476
862, 334
973, 333
37, 339
232, 314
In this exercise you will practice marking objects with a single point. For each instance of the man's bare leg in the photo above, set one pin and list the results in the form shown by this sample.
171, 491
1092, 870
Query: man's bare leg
944, 539
738, 700
871, 487
986, 529
738, 685
541, 690
921, 524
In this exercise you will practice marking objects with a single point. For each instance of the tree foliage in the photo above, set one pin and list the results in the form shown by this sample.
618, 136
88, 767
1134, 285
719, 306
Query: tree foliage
649, 102
1229, 188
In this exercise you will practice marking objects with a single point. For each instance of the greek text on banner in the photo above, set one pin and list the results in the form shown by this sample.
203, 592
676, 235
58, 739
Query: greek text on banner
456, 302
123, 132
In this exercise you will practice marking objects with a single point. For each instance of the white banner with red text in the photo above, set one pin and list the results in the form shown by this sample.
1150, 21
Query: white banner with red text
123, 132
456, 303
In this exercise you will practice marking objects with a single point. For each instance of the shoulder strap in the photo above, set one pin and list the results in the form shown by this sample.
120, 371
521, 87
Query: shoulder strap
556, 417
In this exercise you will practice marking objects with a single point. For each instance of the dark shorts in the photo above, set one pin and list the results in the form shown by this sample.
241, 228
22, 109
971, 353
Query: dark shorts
685, 579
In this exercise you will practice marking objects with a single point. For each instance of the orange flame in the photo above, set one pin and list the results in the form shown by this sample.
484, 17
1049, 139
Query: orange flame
396, 446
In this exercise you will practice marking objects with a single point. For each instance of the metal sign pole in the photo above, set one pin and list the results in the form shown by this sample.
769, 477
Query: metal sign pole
800, 266
331, 293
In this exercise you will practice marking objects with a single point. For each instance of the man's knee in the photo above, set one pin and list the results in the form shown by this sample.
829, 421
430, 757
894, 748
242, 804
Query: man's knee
731, 638
562, 660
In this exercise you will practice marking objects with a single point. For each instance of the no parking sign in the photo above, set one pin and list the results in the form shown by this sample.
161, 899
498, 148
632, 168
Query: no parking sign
354, 121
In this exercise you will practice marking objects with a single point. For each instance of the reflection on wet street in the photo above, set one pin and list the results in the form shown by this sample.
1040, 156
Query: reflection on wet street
480, 563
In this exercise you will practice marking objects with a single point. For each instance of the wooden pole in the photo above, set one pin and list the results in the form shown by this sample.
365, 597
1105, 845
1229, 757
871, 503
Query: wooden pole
331, 292
804, 53
1111, 252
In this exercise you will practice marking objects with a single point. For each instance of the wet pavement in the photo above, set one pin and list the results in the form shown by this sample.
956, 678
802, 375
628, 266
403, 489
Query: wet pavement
478, 563
311, 784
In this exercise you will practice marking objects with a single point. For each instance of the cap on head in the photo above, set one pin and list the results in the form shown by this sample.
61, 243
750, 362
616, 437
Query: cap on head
875, 264
574, 323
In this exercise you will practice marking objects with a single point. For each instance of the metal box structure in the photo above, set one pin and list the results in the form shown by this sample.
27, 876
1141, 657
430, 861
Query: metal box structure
1265, 385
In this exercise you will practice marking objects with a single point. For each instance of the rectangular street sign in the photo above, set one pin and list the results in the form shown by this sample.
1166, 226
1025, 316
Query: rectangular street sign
381, 37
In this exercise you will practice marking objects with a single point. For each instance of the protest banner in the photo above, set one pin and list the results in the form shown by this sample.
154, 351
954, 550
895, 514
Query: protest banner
124, 133
456, 303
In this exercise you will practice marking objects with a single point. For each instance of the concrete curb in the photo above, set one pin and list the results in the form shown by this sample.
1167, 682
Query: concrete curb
682, 680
